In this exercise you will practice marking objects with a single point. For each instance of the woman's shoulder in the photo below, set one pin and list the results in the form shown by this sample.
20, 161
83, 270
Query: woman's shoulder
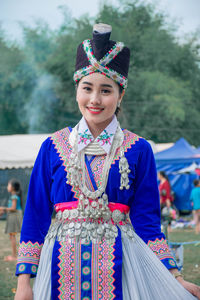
13, 197
135, 142
56, 137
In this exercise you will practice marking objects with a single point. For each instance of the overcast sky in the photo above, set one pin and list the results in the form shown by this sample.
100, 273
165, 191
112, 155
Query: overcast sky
187, 12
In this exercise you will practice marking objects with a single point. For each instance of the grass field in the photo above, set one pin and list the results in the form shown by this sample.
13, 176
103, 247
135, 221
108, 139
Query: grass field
191, 267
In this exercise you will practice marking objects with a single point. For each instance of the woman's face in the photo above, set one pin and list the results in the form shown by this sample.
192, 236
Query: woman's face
97, 98
9, 188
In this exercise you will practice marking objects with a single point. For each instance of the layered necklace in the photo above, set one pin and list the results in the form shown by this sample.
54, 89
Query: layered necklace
94, 204
92, 220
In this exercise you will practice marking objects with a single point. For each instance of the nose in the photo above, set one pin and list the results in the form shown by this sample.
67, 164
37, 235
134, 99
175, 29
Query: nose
95, 98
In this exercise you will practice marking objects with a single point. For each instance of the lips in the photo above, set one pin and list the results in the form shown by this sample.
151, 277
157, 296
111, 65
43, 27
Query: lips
95, 110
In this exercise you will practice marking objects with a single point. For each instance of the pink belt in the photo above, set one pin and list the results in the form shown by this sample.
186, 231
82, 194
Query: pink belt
74, 204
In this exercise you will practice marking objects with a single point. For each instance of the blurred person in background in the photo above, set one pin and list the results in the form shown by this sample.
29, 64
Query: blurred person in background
166, 197
14, 215
195, 202
167, 212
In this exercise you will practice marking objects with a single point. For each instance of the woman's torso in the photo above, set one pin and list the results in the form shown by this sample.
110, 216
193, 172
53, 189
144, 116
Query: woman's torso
18, 203
165, 192
196, 198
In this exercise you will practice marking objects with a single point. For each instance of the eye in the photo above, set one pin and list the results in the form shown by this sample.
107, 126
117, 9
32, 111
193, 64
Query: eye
87, 88
105, 91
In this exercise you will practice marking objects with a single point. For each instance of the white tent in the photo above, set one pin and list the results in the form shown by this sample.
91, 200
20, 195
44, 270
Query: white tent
19, 151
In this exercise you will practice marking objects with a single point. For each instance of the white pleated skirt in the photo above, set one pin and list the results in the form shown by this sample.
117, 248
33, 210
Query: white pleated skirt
144, 277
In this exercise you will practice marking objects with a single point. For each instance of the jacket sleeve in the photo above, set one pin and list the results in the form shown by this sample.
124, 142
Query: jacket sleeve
37, 215
145, 208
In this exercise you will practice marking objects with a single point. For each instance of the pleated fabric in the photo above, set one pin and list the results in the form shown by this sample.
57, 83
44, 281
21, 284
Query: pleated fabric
42, 283
144, 277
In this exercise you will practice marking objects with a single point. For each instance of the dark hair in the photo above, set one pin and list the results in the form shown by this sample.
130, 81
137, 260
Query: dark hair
17, 188
164, 175
118, 109
196, 182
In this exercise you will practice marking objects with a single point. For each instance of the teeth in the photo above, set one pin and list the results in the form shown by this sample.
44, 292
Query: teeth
92, 109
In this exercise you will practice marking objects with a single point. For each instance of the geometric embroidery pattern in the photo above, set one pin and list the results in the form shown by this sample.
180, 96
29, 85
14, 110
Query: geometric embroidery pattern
69, 270
101, 66
97, 267
29, 253
160, 248
106, 271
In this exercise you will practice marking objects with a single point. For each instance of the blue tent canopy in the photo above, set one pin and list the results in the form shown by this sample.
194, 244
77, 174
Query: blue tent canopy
177, 157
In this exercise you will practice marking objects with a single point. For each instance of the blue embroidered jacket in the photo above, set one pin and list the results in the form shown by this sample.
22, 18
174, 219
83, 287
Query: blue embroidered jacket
48, 187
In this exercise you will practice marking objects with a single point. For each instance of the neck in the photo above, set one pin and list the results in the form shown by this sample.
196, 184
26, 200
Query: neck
96, 129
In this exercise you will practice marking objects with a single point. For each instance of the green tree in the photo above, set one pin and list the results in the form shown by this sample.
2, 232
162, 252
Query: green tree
162, 99
15, 85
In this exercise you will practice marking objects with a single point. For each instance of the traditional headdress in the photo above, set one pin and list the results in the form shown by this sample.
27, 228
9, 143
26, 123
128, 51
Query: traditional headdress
102, 55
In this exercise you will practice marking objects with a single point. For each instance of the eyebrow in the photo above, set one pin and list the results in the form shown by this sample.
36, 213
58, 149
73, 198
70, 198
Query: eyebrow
86, 82
102, 85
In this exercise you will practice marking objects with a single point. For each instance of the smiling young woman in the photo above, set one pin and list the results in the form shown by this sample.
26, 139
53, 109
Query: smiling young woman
98, 98
106, 242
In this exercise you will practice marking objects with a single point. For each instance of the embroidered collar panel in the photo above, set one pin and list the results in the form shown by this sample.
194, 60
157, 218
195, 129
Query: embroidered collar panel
85, 137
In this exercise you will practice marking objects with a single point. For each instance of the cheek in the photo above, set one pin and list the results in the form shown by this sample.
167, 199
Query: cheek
81, 98
112, 103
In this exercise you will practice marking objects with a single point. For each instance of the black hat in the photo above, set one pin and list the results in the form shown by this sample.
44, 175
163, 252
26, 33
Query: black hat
103, 55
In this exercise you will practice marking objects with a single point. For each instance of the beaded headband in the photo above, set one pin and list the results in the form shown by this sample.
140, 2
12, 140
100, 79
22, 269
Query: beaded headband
101, 66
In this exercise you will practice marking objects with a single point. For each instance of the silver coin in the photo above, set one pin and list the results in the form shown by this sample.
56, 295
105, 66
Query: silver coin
77, 232
107, 235
106, 225
94, 234
106, 215
116, 215
105, 197
94, 204
65, 226
84, 234
73, 213
93, 226
77, 225
71, 225
65, 214
100, 232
